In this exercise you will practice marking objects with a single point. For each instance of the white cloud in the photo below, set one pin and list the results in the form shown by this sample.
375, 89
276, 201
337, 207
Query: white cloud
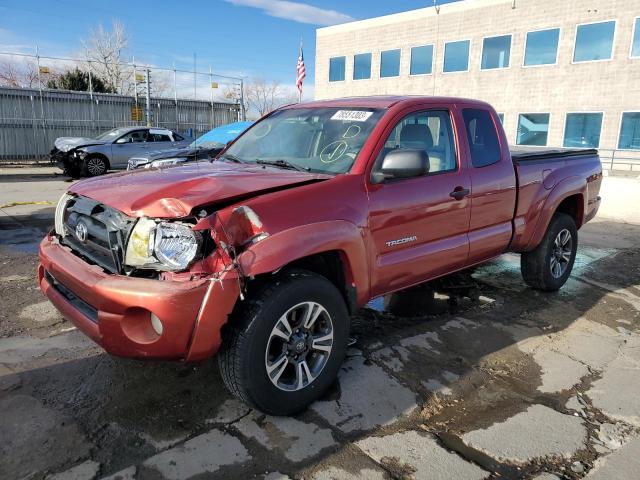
296, 11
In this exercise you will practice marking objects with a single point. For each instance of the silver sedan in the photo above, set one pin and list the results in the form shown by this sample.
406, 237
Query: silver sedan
94, 156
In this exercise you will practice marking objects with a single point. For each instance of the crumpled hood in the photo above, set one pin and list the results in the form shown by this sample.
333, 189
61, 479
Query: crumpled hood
175, 192
64, 144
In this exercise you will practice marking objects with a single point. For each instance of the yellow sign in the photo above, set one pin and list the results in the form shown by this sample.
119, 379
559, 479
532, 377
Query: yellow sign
136, 114
139, 77
214, 84
44, 70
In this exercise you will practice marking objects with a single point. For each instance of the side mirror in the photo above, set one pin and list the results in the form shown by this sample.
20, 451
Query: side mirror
123, 140
402, 163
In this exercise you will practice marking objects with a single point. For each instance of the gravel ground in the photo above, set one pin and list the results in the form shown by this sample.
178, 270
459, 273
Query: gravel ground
513, 384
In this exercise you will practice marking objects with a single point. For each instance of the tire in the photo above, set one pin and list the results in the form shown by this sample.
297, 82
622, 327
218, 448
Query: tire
95, 165
251, 344
74, 171
548, 267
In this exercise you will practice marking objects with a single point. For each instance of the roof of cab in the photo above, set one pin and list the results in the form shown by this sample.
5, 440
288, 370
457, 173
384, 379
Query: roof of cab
383, 101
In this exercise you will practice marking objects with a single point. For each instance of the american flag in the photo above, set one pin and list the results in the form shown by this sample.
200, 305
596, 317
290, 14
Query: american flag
301, 71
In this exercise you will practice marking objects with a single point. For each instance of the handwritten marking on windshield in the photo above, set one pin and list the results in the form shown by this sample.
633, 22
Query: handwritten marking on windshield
333, 151
352, 131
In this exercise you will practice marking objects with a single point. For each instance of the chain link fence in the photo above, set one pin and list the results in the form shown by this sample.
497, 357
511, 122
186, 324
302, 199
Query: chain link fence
32, 116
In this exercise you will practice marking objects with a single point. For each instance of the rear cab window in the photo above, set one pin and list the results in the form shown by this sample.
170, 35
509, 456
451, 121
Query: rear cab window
482, 136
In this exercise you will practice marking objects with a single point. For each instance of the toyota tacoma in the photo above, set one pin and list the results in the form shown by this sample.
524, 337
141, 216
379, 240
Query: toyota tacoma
261, 256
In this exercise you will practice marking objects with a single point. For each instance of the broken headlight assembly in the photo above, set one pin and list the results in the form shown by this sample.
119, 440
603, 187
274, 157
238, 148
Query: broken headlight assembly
168, 246
80, 154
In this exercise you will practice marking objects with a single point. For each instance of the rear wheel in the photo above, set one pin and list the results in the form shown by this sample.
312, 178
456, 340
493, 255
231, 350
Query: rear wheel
285, 346
95, 165
548, 266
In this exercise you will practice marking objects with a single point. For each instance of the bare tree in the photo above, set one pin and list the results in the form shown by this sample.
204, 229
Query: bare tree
230, 92
19, 74
262, 96
104, 51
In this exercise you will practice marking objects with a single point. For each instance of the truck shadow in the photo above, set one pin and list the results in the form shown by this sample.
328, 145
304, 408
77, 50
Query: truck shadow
402, 373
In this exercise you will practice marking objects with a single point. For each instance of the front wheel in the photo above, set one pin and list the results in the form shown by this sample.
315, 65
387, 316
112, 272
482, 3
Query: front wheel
548, 266
95, 165
284, 347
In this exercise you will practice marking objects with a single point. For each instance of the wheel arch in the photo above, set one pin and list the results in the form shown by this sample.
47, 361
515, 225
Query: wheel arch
573, 205
334, 250
566, 197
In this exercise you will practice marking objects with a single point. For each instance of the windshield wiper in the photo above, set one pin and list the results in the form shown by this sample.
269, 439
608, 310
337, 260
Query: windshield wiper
232, 158
283, 164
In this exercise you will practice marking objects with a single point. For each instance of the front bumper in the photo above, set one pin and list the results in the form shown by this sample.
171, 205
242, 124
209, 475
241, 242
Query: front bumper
115, 310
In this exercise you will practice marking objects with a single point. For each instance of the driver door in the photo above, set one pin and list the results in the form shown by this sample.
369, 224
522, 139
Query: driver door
419, 225
129, 145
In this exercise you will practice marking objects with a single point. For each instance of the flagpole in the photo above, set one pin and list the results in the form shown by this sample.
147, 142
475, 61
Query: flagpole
300, 89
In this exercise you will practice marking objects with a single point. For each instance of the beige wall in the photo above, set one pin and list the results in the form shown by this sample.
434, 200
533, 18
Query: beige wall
606, 86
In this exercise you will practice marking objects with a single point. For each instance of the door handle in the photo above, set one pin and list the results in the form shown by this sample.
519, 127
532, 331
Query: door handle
459, 193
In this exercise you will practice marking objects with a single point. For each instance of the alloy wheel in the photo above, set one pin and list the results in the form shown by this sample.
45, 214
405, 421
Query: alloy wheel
561, 253
96, 166
299, 346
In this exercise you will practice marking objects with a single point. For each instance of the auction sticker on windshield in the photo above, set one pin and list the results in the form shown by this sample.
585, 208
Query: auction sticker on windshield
352, 115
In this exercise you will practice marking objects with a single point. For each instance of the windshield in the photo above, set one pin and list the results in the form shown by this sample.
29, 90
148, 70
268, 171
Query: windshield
111, 134
205, 144
325, 140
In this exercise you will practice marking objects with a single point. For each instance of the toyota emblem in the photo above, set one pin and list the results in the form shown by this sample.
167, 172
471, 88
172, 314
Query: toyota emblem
81, 232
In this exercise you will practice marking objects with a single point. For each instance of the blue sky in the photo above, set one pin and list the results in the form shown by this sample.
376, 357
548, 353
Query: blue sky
255, 38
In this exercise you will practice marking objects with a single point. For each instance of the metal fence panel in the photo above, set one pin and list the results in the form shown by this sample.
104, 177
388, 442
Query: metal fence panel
31, 119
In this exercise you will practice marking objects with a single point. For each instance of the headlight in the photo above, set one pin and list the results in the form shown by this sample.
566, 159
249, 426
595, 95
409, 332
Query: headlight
165, 162
140, 245
59, 216
176, 245
134, 163
80, 153
164, 245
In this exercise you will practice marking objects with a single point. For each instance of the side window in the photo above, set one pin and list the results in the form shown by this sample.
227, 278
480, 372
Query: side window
482, 137
177, 138
137, 136
430, 131
159, 137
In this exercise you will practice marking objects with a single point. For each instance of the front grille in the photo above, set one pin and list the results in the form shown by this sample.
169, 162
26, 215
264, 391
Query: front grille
96, 232
80, 305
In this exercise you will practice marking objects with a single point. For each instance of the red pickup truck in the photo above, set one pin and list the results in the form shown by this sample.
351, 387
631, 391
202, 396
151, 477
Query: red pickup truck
262, 255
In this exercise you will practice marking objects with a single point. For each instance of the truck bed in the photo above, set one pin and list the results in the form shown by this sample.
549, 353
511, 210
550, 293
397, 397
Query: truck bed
532, 154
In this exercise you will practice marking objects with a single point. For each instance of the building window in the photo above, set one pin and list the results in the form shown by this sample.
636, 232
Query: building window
635, 41
496, 52
456, 56
336, 69
533, 129
541, 47
582, 130
594, 41
362, 66
630, 131
421, 60
390, 63
483, 139
501, 117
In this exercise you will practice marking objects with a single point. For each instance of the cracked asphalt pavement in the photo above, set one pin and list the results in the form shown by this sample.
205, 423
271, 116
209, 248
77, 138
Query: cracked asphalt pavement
512, 383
